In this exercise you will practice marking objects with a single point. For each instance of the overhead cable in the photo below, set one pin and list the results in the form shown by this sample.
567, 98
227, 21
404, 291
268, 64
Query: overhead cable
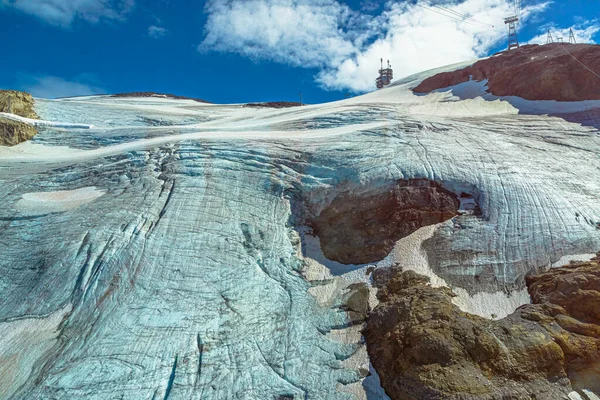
446, 12
463, 16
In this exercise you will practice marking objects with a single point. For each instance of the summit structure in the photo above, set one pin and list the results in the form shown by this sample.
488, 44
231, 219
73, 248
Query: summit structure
385, 75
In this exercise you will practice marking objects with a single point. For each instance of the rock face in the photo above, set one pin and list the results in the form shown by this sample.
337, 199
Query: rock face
424, 347
358, 229
19, 103
532, 72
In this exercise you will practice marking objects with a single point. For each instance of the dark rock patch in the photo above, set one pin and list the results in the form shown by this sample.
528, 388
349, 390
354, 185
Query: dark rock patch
363, 228
274, 104
158, 95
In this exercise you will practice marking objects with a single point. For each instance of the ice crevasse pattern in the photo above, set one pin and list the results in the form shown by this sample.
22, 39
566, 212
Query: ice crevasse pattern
150, 247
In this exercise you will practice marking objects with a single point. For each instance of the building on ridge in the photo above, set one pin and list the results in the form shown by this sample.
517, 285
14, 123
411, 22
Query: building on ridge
385, 75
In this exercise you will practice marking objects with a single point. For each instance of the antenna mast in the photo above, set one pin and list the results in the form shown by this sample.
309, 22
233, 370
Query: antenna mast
513, 41
572, 37
550, 40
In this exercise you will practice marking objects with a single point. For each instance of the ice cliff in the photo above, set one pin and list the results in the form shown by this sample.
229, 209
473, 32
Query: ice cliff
165, 249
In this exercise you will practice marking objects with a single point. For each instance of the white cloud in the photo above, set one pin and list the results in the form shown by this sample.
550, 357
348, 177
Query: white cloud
297, 32
157, 32
63, 12
50, 87
346, 45
584, 33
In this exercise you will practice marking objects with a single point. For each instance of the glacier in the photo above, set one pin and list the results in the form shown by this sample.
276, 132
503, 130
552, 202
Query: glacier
153, 248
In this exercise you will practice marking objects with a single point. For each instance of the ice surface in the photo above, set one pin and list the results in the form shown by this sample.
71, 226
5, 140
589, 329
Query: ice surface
186, 279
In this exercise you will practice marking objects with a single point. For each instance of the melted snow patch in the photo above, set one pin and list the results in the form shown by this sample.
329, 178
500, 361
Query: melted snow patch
30, 149
408, 253
584, 395
58, 201
565, 260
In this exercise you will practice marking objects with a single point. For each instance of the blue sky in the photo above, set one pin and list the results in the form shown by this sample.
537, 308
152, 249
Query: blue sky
228, 51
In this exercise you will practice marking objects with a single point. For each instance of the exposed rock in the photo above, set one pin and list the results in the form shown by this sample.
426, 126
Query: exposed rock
158, 95
274, 104
14, 132
359, 229
532, 72
19, 103
424, 347
567, 305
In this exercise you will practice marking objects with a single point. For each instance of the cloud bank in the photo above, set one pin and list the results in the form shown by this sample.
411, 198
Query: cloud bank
63, 13
51, 87
345, 45
584, 33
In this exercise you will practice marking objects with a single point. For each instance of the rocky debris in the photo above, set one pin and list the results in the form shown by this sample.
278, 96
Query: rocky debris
274, 104
363, 228
18, 103
532, 72
424, 347
159, 95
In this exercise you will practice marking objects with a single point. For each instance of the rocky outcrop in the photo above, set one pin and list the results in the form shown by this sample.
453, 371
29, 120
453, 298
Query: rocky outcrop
359, 228
567, 304
18, 103
548, 72
424, 347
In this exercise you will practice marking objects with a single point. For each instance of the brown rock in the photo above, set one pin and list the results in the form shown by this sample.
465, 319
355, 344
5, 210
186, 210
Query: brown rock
424, 347
18, 103
13, 132
532, 72
359, 229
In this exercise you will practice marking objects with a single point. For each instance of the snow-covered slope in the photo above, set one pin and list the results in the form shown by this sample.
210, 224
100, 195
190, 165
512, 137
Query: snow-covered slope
157, 254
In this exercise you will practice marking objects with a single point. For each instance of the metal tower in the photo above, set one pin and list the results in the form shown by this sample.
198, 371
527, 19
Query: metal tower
572, 37
385, 75
550, 40
513, 41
